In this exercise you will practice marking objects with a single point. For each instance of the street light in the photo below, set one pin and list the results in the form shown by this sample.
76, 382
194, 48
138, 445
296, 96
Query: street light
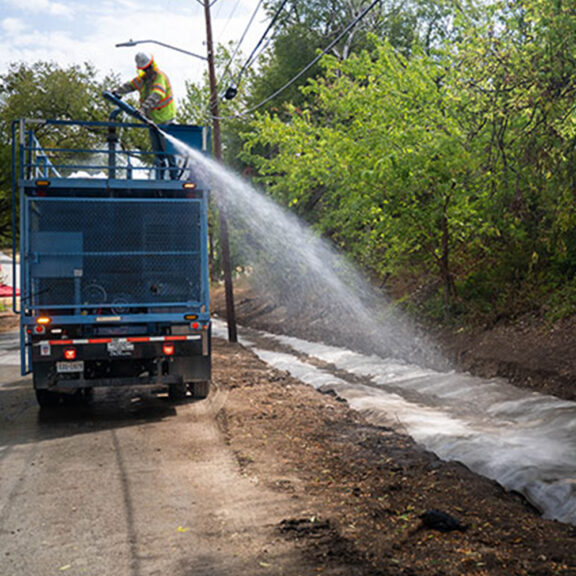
217, 146
135, 42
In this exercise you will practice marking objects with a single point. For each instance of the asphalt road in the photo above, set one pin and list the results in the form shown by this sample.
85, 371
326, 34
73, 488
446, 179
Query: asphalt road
132, 486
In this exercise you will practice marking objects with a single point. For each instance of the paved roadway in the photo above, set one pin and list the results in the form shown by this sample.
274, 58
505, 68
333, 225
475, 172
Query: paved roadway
129, 487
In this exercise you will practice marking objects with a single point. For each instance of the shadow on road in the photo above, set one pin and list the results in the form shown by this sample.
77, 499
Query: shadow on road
22, 421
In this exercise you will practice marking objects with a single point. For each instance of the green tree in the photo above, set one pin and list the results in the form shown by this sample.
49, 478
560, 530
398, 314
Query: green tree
517, 83
282, 70
44, 90
458, 159
379, 163
403, 23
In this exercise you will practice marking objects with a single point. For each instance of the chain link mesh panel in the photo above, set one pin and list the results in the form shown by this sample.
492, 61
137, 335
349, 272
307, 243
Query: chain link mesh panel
119, 255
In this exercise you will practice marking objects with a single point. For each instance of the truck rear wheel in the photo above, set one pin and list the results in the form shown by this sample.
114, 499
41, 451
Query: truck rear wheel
51, 399
177, 391
199, 390
48, 399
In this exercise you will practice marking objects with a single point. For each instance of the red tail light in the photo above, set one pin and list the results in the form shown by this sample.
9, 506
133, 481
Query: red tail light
70, 353
168, 349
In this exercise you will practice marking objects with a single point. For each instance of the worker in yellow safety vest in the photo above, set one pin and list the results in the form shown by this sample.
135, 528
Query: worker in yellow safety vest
156, 97
156, 101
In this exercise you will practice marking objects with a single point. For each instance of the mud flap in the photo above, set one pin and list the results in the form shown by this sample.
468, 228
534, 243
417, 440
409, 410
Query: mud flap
192, 368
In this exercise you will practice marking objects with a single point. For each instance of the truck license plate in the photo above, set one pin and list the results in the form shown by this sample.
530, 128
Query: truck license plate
68, 367
120, 348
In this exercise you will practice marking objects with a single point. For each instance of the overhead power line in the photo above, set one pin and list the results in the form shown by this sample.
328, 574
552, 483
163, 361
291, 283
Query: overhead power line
230, 16
352, 24
254, 52
240, 41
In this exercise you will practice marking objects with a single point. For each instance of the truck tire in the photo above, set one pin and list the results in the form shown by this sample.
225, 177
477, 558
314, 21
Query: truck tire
177, 391
199, 390
88, 396
82, 397
48, 399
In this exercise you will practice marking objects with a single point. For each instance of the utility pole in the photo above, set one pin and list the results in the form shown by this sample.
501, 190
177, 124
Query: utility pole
217, 150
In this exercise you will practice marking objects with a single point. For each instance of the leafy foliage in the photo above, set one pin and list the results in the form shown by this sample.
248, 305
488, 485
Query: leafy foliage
45, 90
458, 160
379, 163
39, 91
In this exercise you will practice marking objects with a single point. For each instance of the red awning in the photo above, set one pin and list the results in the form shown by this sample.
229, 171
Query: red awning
7, 291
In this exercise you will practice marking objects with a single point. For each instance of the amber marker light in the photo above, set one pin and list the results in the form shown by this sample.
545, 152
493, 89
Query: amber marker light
189, 185
43, 320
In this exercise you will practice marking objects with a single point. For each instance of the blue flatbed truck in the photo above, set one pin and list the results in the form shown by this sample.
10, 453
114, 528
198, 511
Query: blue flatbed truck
112, 258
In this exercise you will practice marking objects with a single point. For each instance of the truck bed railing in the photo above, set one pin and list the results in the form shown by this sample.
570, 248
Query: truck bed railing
42, 166
126, 164
63, 149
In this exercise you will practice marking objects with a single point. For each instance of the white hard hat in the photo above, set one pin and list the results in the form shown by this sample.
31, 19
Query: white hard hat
143, 60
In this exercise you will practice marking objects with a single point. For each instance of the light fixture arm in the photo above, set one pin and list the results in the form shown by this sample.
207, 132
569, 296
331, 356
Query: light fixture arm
135, 42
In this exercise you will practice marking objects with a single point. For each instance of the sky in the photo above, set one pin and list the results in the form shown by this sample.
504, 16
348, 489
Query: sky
77, 31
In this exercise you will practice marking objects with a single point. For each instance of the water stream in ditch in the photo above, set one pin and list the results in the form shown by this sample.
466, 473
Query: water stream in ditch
521, 439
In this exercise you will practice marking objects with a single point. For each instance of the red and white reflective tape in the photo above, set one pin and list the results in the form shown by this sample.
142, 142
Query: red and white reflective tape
131, 339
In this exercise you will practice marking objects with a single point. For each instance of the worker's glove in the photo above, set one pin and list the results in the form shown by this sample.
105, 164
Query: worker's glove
150, 103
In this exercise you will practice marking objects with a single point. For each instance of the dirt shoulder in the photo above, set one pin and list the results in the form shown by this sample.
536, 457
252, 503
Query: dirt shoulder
8, 321
363, 488
529, 352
